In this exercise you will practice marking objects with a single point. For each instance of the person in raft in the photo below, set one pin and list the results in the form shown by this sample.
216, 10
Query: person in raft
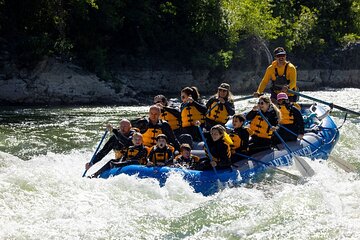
220, 107
169, 114
191, 111
152, 126
291, 119
218, 154
282, 75
185, 159
260, 130
240, 137
136, 154
118, 142
161, 154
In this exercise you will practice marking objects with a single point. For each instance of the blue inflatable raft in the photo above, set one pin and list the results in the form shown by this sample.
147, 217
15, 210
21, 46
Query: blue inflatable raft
319, 140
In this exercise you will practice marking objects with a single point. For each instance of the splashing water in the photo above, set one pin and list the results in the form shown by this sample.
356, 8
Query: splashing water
42, 194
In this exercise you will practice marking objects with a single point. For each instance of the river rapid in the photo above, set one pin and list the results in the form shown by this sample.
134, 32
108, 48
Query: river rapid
43, 196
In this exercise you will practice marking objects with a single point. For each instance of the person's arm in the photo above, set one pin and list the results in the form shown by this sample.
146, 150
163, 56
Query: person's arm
142, 125
208, 103
272, 117
170, 161
224, 155
165, 127
298, 120
202, 108
230, 107
173, 111
150, 158
126, 141
244, 135
109, 145
291, 75
250, 115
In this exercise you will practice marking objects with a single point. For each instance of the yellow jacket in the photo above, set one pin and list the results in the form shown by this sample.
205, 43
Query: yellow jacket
270, 75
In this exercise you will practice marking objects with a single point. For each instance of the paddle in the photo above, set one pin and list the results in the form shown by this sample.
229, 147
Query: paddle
292, 176
327, 103
97, 149
347, 167
207, 148
243, 98
300, 163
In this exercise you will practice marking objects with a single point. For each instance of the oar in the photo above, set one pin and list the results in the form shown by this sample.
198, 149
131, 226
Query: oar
347, 167
300, 163
295, 177
97, 149
323, 102
207, 148
243, 98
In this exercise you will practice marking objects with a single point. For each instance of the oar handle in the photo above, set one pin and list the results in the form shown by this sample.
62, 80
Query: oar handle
97, 149
324, 102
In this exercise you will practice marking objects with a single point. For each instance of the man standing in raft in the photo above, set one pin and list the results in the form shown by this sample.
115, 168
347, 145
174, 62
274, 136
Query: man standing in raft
282, 75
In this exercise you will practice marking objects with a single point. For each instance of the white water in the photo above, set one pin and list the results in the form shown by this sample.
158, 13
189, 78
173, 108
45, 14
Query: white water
46, 198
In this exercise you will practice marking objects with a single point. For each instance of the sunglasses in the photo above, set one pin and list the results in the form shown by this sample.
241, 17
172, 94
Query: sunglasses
280, 55
261, 103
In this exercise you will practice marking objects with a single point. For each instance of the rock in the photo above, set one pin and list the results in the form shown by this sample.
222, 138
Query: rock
53, 83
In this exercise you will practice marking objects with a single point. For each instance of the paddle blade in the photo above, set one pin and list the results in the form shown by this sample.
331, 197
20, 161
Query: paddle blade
303, 167
344, 165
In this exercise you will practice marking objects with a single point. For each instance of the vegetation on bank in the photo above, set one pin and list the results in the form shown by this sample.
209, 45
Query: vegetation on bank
212, 34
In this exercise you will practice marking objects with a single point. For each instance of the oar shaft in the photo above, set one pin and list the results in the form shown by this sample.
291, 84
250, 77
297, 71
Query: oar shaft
303, 167
243, 98
97, 149
269, 165
207, 147
324, 102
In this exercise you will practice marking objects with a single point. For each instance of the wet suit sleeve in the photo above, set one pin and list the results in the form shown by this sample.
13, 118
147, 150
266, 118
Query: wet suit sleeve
173, 111
230, 107
151, 156
208, 104
250, 115
105, 150
224, 155
171, 158
244, 135
142, 125
272, 117
126, 141
298, 120
202, 108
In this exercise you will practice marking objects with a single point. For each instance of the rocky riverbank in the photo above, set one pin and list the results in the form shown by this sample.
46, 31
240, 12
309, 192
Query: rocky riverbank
55, 83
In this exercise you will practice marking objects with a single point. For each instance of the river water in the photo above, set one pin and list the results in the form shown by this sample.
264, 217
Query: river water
43, 196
